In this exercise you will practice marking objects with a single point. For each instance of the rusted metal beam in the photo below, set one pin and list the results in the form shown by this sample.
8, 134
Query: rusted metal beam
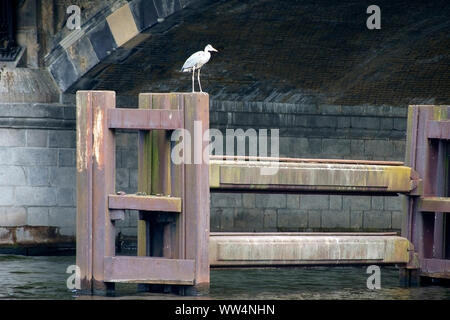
95, 180
143, 119
434, 204
149, 270
84, 189
145, 203
226, 175
438, 129
277, 249
196, 189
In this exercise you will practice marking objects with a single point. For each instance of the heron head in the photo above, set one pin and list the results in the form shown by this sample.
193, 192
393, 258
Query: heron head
210, 48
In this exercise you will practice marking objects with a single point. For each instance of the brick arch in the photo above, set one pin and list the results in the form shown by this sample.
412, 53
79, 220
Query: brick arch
115, 31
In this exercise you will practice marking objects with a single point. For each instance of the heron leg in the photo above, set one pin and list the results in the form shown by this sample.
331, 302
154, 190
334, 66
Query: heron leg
193, 78
198, 78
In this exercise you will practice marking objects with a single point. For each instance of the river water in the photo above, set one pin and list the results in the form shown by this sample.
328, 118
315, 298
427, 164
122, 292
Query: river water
44, 277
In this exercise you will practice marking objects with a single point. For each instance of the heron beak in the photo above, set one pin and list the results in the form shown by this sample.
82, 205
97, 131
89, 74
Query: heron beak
214, 50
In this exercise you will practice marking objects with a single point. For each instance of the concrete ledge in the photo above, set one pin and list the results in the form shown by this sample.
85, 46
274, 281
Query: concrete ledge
308, 176
22, 85
23, 236
274, 249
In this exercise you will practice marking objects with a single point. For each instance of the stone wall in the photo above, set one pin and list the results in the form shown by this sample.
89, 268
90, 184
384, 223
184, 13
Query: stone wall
37, 166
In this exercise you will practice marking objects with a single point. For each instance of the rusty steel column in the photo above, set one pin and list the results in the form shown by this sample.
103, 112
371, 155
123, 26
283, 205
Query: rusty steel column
84, 189
196, 121
426, 154
95, 181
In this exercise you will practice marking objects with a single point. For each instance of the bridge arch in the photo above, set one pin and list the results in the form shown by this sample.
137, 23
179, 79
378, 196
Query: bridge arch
115, 30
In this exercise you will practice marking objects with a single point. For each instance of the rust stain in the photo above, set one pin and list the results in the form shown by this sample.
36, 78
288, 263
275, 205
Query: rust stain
81, 163
82, 146
98, 137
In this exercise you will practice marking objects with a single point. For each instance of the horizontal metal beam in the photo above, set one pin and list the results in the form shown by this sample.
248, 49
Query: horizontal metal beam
144, 119
269, 249
149, 270
434, 204
145, 203
438, 129
248, 176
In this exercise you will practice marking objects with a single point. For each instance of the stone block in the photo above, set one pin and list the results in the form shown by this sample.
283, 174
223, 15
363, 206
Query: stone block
292, 219
12, 137
144, 13
70, 231
35, 196
129, 158
82, 55
38, 176
365, 123
377, 203
62, 217
386, 124
226, 219
102, 40
37, 216
66, 197
270, 219
214, 222
62, 139
374, 219
397, 219
6, 196
32, 156
335, 219
63, 177
313, 201
122, 25
133, 178
357, 148
12, 176
122, 178
66, 158
292, 201
357, 202
37, 138
378, 148
393, 203
249, 220
314, 219
335, 202
340, 147
400, 124
63, 71
224, 200
356, 220
13, 216
248, 200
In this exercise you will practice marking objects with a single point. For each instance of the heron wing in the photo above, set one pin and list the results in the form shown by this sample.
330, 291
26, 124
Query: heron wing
192, 61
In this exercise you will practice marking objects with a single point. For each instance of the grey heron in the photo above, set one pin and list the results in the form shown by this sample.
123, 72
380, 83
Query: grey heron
196, 61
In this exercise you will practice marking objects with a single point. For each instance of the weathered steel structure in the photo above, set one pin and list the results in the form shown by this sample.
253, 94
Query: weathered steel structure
173, 200
174, 245
426, 223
